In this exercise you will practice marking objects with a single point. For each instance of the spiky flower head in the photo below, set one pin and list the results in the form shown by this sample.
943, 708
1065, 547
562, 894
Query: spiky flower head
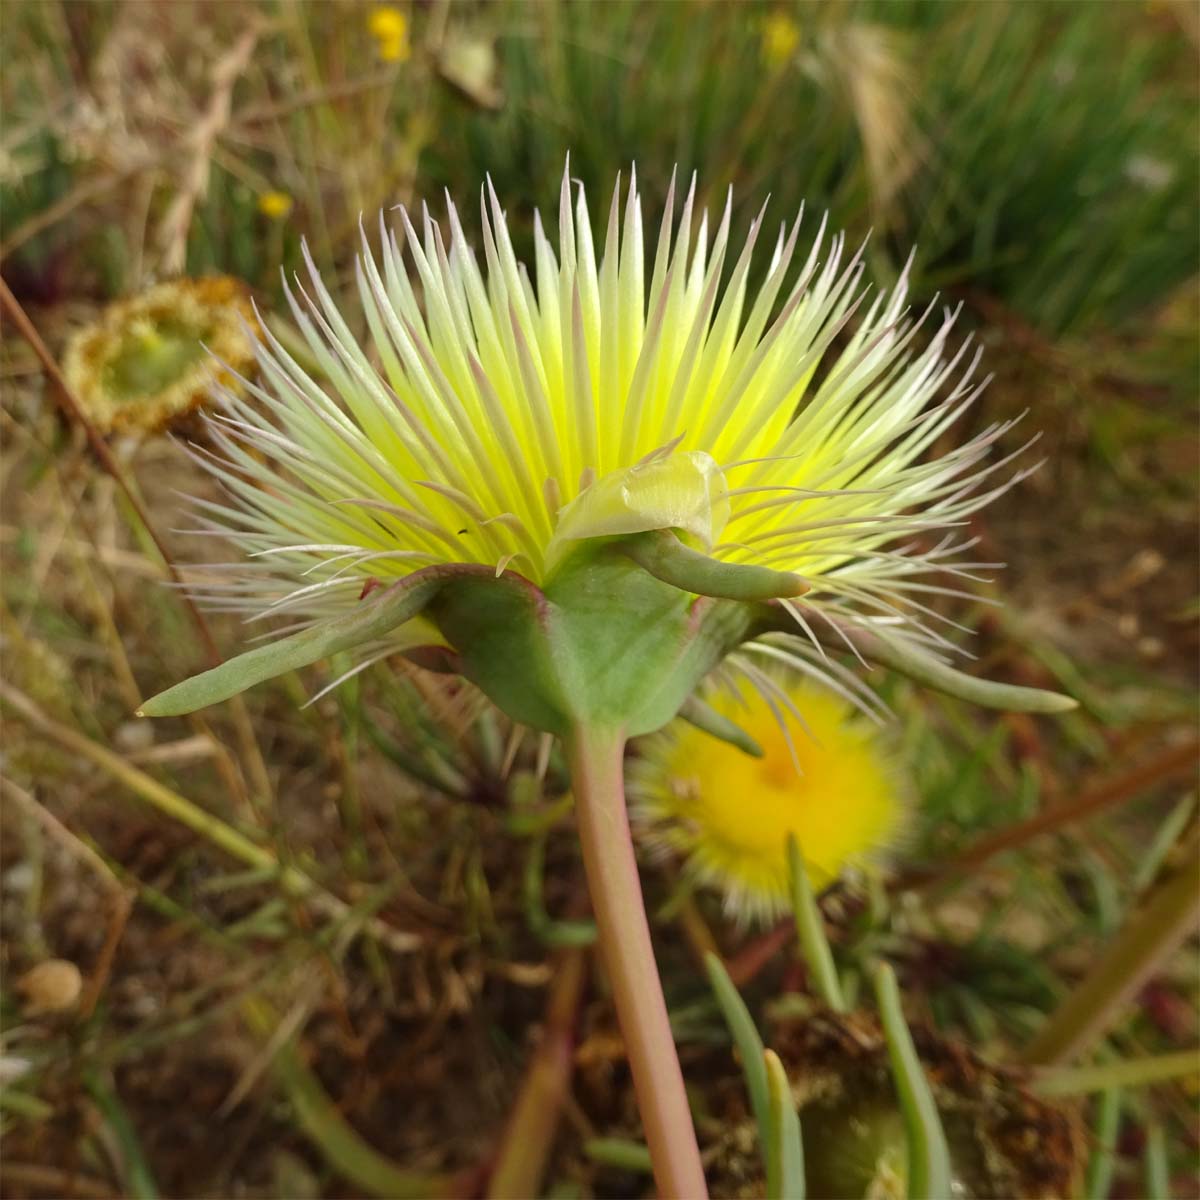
824, 774
143, 366
553, 462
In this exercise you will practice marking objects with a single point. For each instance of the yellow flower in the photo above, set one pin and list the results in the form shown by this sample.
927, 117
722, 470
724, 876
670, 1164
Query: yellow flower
829, 781
389, 27
275, 205
150, 361
780, 37
737, 443
522, 413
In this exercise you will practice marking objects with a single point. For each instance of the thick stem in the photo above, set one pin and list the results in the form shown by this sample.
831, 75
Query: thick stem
597, 774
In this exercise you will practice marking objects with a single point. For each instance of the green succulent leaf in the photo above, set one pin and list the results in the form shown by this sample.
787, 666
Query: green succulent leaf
929, 1173
374, 617
810, 927
745, 1037
786, 1170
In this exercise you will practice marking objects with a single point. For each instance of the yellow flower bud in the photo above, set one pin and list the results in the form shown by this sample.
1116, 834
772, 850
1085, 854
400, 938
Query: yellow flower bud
780, 38
275, 205
389, 27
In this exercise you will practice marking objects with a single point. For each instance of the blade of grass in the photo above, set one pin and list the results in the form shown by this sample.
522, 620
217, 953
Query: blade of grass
1130, 1072
1103, 1162
1176, 763
617, 1152
291, 879
1155, 1164
325, 1126
137, 1176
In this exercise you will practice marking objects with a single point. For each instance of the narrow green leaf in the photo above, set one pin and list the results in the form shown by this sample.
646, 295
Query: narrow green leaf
811, 928
617, 1152
1103, 1162
928, 1154
787, 1146
664, 556
339, 1144
136, 1171
706, 718
1126, 1072
372, 618
1154, 1161
749, 1046
544, 926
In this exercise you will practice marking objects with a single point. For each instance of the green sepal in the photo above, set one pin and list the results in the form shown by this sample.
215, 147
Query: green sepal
374, 617
706, 718
664, 556
875, 646
606, 644
925, 669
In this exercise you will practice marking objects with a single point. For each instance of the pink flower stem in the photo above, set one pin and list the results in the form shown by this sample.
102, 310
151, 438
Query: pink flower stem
596, 758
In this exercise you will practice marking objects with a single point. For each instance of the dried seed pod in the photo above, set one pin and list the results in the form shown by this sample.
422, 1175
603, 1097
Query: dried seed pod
149, 361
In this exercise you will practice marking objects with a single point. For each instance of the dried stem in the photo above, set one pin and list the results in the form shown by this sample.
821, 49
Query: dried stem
1178, 762
1147, 939
67, 401
529, 1137
291, 879
177, 220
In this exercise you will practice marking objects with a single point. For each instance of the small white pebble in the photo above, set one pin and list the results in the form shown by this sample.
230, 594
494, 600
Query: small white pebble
19, 877
12, 1068
134, 735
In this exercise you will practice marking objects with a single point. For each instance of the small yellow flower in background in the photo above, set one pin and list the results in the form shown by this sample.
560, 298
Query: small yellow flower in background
780, 38
389, 28
730, 814
275, 205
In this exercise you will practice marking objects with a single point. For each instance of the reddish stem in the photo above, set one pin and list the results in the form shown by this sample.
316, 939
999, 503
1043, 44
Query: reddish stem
596, 759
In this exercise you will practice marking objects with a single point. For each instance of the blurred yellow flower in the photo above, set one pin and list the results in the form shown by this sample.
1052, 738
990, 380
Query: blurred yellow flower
389, 28
780, 38
275, 205
729, 814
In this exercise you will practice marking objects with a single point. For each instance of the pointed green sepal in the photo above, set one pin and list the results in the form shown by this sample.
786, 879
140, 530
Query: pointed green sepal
664, 556
706, 718
923, 668
875, 646
374, 617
